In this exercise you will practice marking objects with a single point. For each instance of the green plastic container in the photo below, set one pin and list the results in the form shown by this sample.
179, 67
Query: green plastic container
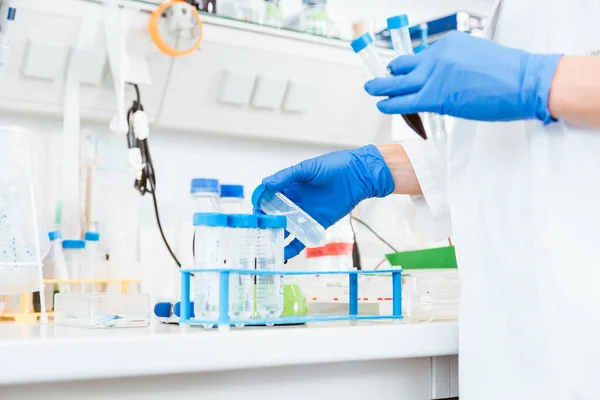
438, 258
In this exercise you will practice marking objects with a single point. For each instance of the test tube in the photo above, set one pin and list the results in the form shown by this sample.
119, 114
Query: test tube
269, 257
364, 47
299, 224
73, 250
90, 269
60, 267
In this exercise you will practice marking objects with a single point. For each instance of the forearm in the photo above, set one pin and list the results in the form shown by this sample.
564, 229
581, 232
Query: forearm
575, 91
405, 179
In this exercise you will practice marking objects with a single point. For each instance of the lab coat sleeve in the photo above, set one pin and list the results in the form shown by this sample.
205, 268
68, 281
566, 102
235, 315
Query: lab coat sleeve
431, 170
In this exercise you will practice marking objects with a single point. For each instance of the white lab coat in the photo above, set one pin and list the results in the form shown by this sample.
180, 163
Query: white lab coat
524, 201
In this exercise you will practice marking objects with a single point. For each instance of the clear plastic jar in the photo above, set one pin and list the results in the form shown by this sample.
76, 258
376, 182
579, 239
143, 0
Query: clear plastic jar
430, 294
299, 224
208, 244
241, 253
205, 195
269, 257
273, 14
314, 18
74, 251
232, 199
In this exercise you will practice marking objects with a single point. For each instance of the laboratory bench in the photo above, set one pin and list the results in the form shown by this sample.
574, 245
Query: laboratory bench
375, 360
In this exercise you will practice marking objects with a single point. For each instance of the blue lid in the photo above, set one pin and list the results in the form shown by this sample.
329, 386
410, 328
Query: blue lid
399, 21
260, 189
92, 236
210, 219
54, 235
242, 221
272, 221
235, 191
204, 185
162, 309
177, 309
73, 244
361, 42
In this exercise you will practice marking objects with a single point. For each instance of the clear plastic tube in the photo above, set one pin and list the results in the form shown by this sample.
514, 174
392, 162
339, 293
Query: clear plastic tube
60, 265
374, 62
269, 257
299, 224
208, 243
92, 259
74, 260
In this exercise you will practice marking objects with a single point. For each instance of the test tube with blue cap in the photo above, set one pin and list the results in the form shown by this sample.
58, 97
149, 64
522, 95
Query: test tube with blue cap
60, 265
364, 47
74, 256
92, 259
269, 257
299, 224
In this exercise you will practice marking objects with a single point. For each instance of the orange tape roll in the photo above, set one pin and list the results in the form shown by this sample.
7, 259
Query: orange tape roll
157, 38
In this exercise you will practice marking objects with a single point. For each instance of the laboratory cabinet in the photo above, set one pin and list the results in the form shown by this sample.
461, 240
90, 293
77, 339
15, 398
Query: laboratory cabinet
245, 80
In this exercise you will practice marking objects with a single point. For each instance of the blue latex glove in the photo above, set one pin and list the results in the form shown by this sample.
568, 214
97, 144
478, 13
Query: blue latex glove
330, 186
468, 77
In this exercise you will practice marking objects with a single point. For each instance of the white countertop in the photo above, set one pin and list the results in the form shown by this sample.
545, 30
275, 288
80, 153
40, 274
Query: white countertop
30, 353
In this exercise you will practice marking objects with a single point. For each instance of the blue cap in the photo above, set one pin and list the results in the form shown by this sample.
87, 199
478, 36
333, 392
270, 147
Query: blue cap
272, 221
204, 185
399, 21
242, 221
235, 191
92, 236
73, 244
177, 309
258, 192
210, 219
162, 309
54, 235
361, 42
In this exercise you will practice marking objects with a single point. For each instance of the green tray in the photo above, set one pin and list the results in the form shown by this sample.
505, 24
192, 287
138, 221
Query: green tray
438, 258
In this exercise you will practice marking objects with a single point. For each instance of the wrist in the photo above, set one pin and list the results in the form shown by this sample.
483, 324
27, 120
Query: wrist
537, 79
382, 182
403, 174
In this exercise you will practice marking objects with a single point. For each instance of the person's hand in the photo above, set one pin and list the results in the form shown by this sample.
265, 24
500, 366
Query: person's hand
330, 186
468, 77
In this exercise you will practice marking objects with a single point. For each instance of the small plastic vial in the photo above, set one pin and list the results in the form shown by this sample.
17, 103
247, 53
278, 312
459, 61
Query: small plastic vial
299, 224
92, 259
74, 258
269, 257
364, 47
241, 254
208, 243
398, 27
232, 199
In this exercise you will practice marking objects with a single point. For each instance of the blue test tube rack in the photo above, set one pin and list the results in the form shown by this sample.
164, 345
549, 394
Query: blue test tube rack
225, 321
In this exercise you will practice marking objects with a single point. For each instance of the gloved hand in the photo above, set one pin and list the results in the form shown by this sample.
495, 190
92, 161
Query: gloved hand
468, 77
330, 186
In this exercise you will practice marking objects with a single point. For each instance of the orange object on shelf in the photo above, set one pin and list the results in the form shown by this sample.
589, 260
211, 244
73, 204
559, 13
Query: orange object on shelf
159, 41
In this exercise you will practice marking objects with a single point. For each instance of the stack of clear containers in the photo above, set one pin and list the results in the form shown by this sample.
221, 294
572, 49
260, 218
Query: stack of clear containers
299, 224
269, 257
314, 18
232, 199
74, 252
208, 243
241, 254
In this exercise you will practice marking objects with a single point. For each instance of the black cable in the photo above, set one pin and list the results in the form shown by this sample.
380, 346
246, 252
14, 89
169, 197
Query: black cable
374, 233
147, 182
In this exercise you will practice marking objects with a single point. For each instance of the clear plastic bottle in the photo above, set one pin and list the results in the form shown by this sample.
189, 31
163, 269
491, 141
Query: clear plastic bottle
402, 44
208, 243
92, 259
269, 257
314, 18
60, 266
232, 199
273, 14
299, 224
241, 254
74, 258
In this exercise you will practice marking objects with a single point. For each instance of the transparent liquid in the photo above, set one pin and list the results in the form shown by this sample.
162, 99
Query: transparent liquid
269, 288
299, 224
208, 255
241, 255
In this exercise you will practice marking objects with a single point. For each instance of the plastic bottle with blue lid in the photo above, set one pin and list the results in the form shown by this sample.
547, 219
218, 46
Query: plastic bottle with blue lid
208, 254
232, 199
241, 253
60, 266
92, 260
205, 194
74, 257
269, 257
299, 224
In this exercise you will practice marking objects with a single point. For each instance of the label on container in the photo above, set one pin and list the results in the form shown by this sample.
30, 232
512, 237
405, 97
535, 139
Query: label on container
330, 249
